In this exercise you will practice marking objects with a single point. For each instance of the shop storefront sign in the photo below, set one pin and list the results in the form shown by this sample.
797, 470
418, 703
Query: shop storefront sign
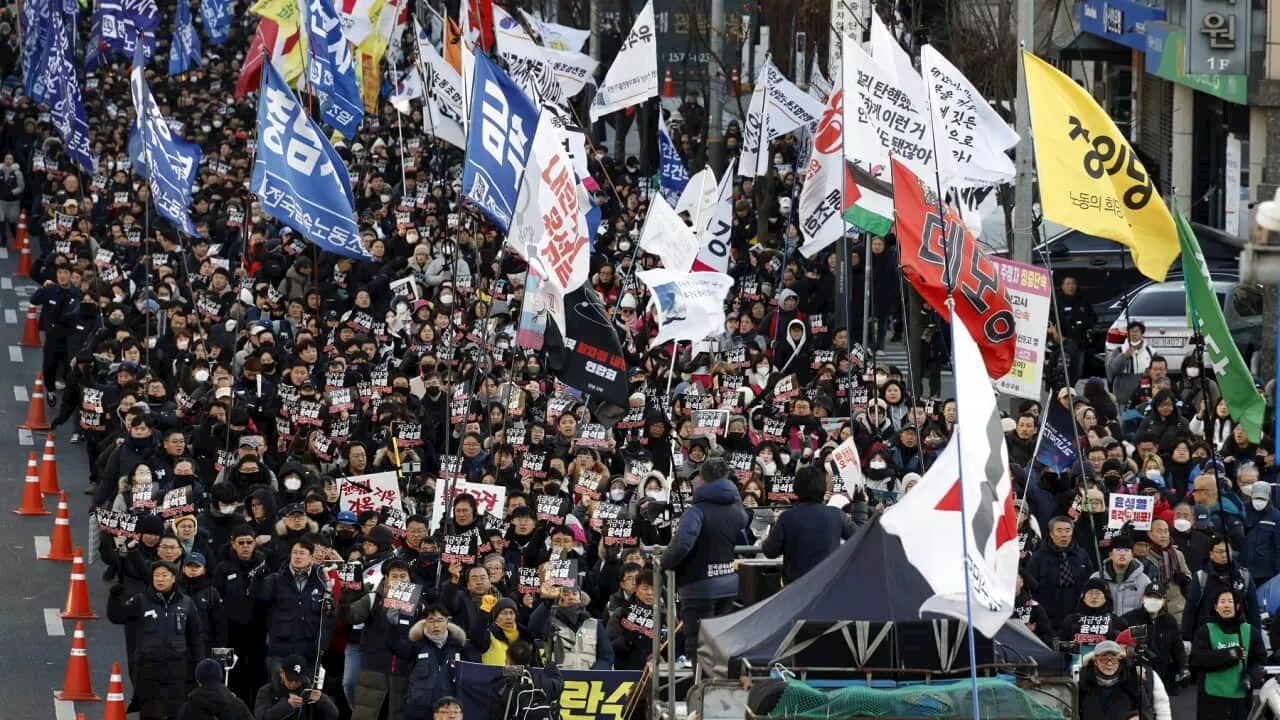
1120, 21
1166, 58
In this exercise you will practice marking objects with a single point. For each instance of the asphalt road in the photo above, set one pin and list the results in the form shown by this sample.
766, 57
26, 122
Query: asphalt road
33, 591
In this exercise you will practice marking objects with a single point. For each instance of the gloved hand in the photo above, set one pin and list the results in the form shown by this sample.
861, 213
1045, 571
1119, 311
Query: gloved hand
116, 589
1236, 653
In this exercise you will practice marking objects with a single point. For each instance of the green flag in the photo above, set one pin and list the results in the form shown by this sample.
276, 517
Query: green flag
1205, 317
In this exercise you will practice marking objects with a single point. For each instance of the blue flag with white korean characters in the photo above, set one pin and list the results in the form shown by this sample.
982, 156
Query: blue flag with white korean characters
168, 163
184, 52
119, 26
216, 17
672, 175
331, 70
502, 124
298, 177
66, 106
37, 25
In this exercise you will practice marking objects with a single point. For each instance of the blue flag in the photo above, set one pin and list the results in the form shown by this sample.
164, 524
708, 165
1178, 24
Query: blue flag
169, 164
498, 140
184, 51
215, 15
37, 24
331, 71
119, 26
672, 175
1058, 446
298, 177
66, 106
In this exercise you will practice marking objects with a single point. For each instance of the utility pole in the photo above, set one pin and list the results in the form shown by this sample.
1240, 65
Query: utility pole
715, 105
1023, 197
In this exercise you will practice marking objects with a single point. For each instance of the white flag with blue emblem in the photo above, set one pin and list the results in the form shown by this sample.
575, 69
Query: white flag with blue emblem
688, 306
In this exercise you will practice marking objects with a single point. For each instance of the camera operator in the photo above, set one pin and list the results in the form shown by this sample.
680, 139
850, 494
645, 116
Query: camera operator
1113, 688
288, 695
1157, 636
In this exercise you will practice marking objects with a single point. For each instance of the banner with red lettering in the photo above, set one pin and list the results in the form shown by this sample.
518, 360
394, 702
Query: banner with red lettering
926, 243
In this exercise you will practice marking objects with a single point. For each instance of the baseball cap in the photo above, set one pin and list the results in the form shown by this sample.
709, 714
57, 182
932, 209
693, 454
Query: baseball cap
293, 509
194, 558
1202, 519
1154, 589
295, 668
346, 517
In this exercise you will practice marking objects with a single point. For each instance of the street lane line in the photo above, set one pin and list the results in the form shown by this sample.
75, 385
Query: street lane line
20, 394
64, 710
42, 546
25, 437
4, 253
6, 283
53, 623
15, 354
10, 316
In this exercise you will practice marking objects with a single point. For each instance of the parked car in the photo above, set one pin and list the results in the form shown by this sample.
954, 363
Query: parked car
1162, 307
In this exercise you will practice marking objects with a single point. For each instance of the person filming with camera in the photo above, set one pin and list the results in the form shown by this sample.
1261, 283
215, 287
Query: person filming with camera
291, 695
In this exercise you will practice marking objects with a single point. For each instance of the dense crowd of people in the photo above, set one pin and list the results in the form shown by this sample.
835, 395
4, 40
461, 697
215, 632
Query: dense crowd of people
252, 374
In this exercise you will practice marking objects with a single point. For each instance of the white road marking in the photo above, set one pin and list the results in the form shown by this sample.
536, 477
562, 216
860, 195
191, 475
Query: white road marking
25, 437
42, 546
64, 710
20, 394
10, 316
4, 253
53, 623
6, 283
15, 354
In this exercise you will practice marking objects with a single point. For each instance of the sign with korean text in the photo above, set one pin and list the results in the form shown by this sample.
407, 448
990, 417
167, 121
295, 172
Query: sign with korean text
587, 694
490, 499
1030, 290
1218, 36
1121, 21
1130, 509
360, 493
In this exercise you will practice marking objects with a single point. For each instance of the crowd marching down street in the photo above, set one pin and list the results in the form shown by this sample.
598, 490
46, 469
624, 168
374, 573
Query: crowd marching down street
371, 386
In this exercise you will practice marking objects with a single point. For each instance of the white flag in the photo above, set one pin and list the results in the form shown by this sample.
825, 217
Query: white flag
819, 85
564, 252
823, 197
353, 16
713, 238
409, 88
699, 197
689, 306
558, 37
928, 520
666, 236
972, 137
778, 107
443, 106
543, 73
633, 76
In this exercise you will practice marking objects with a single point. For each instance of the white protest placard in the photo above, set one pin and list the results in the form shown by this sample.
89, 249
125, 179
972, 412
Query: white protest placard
1135, 509
490, 499
848, 467
359, 493
1030, 290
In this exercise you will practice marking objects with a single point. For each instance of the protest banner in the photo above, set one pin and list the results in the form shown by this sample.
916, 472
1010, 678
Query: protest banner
1030, 290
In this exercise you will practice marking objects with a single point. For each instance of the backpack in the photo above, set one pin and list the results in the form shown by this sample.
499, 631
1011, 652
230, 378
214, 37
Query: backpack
521, 697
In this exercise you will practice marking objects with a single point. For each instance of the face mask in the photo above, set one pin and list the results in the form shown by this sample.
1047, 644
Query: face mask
446, 299
1181, 524
658, 495
762, 369
617, 495
877, 464
1154, 475
1193, 372
292, 483
1152, 605
1260, 503
200, 375
881, 379
226, 509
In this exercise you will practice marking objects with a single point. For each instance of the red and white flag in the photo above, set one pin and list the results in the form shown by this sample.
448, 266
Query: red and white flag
927, 520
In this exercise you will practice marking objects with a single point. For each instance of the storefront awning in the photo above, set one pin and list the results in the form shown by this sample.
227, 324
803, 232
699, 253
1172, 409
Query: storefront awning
1087, 47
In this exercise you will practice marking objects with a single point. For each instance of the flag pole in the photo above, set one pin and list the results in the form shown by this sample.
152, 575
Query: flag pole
950, 282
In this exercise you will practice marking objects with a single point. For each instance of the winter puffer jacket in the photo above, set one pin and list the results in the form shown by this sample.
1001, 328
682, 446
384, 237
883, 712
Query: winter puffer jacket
432, 676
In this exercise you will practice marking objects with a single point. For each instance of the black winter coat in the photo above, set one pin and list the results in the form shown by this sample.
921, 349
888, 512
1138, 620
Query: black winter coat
1132, 694
214, 702
272, 703
237, 581
296, 623
169, 642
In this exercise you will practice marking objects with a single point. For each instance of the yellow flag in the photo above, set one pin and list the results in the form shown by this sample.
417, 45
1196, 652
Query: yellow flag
1090, 179
284, 12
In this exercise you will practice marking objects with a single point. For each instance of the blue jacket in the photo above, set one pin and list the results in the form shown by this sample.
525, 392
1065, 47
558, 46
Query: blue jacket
432, 676
709, 530
296, 621
804, 536
1262, 543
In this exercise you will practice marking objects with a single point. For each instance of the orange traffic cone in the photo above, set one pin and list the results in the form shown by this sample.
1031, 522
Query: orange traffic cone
77, 607
20, 236
115, 695
24, 261
668, 90
60, 545
32, 501
35, 411
735, 82
49, 469
31, 331
77, 685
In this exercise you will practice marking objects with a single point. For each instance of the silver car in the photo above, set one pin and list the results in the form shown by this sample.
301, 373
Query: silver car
1162, 307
